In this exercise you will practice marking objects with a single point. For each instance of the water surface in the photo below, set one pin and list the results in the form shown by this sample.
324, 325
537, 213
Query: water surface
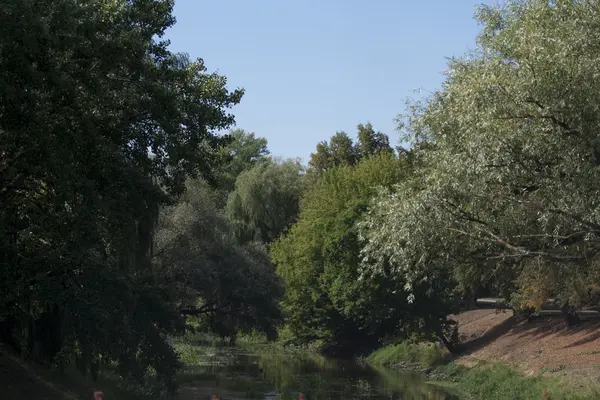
260, 372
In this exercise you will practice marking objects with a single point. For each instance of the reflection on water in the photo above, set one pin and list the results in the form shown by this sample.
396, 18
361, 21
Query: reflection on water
264, 373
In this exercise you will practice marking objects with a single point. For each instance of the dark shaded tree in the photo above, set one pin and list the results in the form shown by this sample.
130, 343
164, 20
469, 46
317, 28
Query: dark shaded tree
100, 124
229, 287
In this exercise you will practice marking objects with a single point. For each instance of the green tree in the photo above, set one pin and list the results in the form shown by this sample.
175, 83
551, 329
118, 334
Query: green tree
320, 159
342, 150
243, 151
99, 125
231, 287
509, 187
339, 151
370, 142
266, 199
326, 297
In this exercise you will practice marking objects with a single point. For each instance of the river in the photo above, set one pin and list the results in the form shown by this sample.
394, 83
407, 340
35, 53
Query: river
261, 372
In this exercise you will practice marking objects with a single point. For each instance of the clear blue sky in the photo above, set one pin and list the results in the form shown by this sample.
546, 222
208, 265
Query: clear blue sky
311, 68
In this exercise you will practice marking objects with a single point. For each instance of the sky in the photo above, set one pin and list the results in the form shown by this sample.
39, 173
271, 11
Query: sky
311, 68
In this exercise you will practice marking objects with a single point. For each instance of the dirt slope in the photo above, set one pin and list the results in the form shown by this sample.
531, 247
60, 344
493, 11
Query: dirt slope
544, 345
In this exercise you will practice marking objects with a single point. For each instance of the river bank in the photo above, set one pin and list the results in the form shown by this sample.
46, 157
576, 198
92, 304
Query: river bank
419, 372
499, 381
259, 371
503, 357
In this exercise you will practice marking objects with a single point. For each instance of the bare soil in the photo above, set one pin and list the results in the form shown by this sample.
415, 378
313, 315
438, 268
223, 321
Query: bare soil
544, 345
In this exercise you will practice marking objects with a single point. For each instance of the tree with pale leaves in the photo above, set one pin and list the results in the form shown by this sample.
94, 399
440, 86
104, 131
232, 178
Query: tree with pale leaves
507, 190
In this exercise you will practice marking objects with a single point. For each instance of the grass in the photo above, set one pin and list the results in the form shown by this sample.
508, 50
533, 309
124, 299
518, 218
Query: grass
253, 337
501, 382
588, 353
553, 369
409, 355
483, 381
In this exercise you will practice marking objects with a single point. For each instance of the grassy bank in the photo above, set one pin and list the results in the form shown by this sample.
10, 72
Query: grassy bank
502, 382
408, 355
287, 371
483, 381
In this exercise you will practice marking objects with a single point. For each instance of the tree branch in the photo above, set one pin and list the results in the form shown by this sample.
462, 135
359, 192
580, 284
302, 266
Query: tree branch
193, 311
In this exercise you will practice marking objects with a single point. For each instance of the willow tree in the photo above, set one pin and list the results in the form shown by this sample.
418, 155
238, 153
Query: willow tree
508, 187
266, 199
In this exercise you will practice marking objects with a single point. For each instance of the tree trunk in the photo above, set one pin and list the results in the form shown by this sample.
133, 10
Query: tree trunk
452, 348
570, 315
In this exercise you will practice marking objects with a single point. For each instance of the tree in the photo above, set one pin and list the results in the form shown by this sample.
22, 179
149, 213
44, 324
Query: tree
326, 299
266, 199
508, 188
232, 287
243, 151
340, 150
320, 160
370, 142
100, 124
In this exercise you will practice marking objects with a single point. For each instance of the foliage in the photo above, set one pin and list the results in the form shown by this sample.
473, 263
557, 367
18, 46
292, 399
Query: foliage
319, 262
342, 151
99, 123
243, 151
266, 199
407, 354
123, 215
371, 143
507, 189
339, 151
231, 286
